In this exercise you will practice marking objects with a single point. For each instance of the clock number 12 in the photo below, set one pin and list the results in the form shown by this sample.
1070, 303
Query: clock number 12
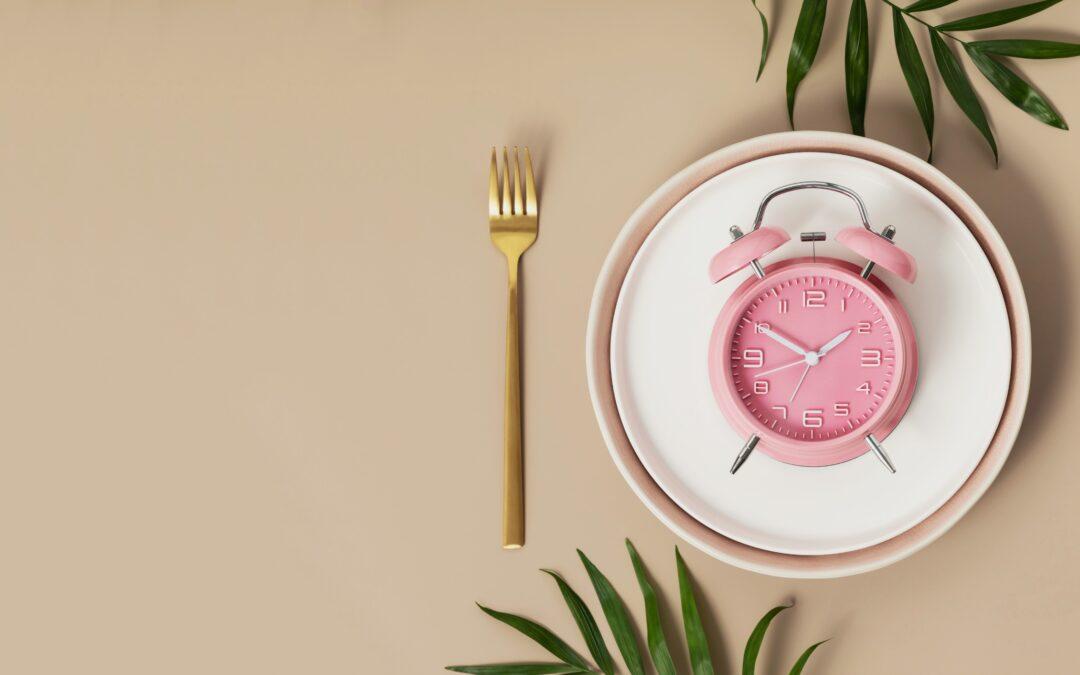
813, 298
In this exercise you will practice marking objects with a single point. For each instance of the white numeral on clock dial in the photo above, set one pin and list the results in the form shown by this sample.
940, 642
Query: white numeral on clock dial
864, 388
761, 386
752, 358
781, 306
812, 418
841, 409
871, 358
862, 328
761, 327
813, 298
782, 409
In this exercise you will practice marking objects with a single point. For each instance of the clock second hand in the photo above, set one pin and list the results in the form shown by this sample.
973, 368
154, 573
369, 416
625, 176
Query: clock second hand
801, 378
786, 365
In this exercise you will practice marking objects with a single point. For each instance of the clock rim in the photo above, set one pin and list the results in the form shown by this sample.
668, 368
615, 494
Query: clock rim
815, 453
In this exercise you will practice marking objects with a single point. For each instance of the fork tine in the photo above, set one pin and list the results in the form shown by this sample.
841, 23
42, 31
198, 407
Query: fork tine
493, 186
518, 209
530, 185
506, 183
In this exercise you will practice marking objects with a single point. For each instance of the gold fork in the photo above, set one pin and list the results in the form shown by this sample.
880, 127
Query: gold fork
513, 230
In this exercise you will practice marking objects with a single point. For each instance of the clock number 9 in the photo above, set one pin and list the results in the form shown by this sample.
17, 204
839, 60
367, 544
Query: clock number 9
753, 358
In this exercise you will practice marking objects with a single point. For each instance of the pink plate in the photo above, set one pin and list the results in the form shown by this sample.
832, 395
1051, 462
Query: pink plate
676, 516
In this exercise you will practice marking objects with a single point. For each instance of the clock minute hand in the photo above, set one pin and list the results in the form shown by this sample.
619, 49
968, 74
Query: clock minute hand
784, 341
833, 343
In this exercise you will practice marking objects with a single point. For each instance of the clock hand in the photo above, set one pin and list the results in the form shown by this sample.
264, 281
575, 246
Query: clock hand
801, 378
784, 341
786, 365
833, 343
811, 359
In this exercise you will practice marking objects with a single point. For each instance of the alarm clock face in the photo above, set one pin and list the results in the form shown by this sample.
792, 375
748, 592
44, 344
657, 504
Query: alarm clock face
812, 358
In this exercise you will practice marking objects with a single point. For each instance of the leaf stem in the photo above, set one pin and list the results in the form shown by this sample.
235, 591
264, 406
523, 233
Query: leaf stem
917, 19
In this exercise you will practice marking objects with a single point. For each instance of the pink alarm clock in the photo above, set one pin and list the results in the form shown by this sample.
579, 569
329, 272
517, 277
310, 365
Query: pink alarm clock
813, 359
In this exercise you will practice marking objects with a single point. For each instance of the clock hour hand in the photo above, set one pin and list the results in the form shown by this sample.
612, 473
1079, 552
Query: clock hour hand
784, 341
833, 343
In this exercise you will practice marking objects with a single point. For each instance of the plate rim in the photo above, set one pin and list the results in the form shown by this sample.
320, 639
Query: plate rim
598, 336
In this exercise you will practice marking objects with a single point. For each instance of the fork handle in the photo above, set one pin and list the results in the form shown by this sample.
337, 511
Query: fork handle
513, 531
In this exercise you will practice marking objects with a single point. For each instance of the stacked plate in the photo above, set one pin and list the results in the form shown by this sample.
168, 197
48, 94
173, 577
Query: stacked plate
647, 353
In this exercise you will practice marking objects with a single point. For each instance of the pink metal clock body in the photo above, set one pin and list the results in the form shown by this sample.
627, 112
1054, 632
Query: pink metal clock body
812, 359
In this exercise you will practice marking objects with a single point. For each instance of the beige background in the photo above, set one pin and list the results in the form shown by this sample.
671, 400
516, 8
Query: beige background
252, 335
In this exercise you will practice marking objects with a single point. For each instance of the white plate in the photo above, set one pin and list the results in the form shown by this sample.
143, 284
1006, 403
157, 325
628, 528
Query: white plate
660, 334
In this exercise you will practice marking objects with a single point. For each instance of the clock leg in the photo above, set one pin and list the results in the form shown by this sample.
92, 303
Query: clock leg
747, 448
875, 445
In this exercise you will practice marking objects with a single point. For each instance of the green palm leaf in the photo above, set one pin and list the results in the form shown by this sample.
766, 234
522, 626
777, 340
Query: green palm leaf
956, 81
654, 634
915, 73
542, 636
804, 47
857, 65
697, 643
998, 17
753, 645
617, 617
924, 5
518, 669
801, 662
1027, 49
764, 40
1016, 89
586, 624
